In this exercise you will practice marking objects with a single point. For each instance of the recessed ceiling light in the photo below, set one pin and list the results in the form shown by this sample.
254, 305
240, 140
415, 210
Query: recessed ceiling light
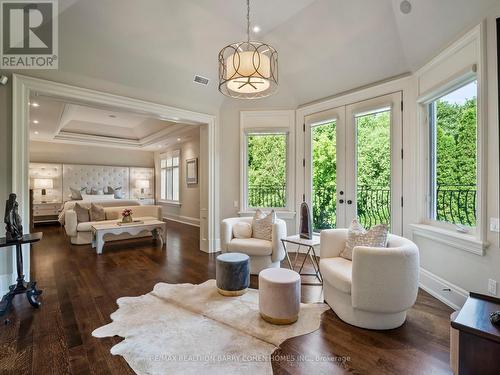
178, 139
36, 132
256, 29
35, 104
405, 7
35, 121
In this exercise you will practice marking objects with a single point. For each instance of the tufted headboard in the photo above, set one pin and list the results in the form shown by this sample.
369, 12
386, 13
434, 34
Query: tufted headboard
94, 176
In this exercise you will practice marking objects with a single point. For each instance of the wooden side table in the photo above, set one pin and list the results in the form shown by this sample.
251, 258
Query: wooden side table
21, 286
311, 254
478, 338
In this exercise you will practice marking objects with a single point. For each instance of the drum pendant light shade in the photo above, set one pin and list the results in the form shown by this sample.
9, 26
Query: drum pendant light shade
248, 70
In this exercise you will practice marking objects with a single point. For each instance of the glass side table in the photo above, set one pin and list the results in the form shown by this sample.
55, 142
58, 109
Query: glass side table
310, 254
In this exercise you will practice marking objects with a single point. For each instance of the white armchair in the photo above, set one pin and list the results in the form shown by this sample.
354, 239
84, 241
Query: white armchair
263, 254
377, 287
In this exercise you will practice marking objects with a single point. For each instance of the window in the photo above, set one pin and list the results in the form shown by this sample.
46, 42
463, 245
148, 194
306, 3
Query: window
453, 156
169, 165
266, 169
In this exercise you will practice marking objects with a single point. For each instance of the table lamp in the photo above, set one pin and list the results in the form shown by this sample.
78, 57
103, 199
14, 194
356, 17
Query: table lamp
44, 184
142, 184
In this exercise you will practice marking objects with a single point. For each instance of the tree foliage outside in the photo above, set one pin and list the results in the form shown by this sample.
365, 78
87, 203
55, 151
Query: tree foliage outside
456, 164
266, 155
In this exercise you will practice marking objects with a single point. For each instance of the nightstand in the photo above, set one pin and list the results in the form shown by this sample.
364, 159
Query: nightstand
45, 212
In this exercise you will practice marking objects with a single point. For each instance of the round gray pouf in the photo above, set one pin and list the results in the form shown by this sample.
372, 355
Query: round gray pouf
232, 272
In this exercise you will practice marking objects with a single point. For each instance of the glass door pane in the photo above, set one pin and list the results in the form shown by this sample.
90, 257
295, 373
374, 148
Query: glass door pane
373, 166
324, 175
324, 167
374, 176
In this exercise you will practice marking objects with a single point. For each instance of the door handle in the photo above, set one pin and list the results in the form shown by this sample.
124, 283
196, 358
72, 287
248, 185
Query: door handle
349, 201
341, 201
341, 192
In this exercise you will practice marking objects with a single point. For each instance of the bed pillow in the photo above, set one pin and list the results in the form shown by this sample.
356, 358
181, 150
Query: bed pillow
262, 225
82, 213
97, 213
357, 235
242, 229
76, 194
117, 192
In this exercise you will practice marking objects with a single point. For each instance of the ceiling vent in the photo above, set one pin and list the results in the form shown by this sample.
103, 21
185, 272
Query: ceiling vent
201, 80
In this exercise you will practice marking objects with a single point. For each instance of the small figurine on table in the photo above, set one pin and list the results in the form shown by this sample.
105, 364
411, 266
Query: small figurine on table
13, 227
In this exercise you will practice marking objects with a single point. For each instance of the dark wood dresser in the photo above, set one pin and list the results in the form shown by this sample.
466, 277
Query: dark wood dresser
478, 338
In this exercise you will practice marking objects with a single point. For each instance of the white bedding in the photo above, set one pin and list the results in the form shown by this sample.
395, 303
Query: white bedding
105, 203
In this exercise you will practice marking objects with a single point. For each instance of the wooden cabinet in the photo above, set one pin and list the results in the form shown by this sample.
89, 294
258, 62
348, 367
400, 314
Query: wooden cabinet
478, 339
45, 212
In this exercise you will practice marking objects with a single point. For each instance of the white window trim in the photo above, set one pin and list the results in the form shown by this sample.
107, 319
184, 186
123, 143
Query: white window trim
446, 233
168, 155
279, 121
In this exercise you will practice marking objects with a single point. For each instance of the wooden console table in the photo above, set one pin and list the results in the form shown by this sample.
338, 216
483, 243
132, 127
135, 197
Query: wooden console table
478, 338
21, 286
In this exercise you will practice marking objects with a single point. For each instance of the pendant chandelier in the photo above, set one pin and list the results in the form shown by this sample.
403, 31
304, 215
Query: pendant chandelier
248, 70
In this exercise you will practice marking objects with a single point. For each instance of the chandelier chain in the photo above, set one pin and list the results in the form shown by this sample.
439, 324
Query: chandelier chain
248, 21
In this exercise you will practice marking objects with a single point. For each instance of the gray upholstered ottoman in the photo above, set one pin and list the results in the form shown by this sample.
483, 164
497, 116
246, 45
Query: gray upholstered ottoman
232, 273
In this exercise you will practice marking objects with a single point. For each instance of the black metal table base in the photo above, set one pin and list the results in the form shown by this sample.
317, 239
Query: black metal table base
311, 254
21, 286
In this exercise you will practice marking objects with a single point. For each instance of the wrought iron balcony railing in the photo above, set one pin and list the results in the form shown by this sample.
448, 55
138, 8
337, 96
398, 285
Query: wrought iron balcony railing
454, 204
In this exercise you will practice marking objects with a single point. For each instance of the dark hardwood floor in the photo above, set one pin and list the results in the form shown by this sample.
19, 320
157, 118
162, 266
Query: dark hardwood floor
80, 291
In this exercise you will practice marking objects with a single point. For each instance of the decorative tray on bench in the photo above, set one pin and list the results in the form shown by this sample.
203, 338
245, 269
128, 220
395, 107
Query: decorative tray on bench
132, 222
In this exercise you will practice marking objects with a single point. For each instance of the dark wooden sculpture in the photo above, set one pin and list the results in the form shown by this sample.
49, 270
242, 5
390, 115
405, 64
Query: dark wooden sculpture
305, 222
13, 227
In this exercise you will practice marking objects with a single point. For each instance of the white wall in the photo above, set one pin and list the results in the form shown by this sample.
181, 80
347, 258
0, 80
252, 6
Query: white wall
189, 209
47, 152
463, 270
230, 146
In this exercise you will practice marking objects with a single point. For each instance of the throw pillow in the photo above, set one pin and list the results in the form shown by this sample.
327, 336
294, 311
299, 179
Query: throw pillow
262, 225
82, 213
242, 229
97, 213
357, 235
115, 191
76, 194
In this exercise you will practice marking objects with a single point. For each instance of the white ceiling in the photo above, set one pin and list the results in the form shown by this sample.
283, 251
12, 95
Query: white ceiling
152, 49
55, 120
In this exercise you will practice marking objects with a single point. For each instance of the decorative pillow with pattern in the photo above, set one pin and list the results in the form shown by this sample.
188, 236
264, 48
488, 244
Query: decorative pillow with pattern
97, 212
357, 235
82, 213
262, 225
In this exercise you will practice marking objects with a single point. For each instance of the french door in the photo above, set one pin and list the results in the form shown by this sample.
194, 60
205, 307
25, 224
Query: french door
353, 164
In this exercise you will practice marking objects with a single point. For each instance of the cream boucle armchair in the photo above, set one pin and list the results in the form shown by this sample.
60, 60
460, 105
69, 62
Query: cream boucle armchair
377, 287
263, 254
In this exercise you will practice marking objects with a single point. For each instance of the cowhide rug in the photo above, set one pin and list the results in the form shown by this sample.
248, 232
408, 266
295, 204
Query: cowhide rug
192, 329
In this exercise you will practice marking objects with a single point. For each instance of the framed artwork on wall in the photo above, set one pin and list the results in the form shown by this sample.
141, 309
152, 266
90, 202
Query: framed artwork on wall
192, 171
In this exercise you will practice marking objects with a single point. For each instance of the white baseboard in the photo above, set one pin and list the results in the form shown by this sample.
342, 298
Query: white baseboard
443, 290
195, 222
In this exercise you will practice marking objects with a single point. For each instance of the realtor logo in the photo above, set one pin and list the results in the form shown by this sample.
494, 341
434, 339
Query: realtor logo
29, 37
